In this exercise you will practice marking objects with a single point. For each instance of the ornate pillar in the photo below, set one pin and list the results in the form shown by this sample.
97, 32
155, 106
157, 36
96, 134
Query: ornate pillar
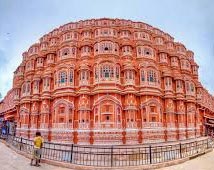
181, 123
170, 120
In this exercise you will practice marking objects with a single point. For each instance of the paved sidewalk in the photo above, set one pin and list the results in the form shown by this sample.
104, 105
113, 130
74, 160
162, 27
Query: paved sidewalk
204, 162
10, 160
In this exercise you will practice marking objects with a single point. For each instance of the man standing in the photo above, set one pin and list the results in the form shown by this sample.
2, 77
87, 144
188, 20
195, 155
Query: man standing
37, 151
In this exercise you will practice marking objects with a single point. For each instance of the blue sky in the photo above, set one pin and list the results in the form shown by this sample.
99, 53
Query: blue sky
23, 22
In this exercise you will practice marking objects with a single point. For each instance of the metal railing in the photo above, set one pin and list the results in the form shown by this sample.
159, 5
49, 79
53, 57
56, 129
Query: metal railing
113, 156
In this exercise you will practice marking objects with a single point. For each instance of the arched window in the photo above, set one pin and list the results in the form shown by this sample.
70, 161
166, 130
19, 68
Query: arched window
106, 47
65, 52
148, 52
142, 36
143, 51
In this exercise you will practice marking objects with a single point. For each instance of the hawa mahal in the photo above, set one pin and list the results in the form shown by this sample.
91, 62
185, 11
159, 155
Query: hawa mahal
108, 81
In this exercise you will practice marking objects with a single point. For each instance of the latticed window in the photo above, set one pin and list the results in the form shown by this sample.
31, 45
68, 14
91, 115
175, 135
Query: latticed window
84, 75
65, 51
192, 87
144, 51
117, 72
85, 49
28, 67
73, 50
71, 76
179, 84
62, 110
75, 35
174, 61
148, 52
63, 77
152, 109
142, 35
23, 88
125, 33
163, 57
139, 50
129, 74
187, 65
106, 47
183, 64
168, 82
151, 76
195, 69
96, 73
28, 87
187, 87
107, 108
159, 41
126, 50
142, 75
36, 85
107, 71
46, 82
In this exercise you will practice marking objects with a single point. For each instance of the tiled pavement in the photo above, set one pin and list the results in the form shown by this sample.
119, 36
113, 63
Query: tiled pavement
10, 160
204, 162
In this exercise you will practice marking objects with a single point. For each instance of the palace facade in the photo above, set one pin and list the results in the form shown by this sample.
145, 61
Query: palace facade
109, 81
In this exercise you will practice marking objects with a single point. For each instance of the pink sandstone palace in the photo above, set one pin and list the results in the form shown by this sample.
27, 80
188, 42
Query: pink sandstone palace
108, 81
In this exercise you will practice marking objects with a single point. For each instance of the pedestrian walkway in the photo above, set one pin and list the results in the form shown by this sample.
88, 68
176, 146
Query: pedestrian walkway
204, 162
10, 160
